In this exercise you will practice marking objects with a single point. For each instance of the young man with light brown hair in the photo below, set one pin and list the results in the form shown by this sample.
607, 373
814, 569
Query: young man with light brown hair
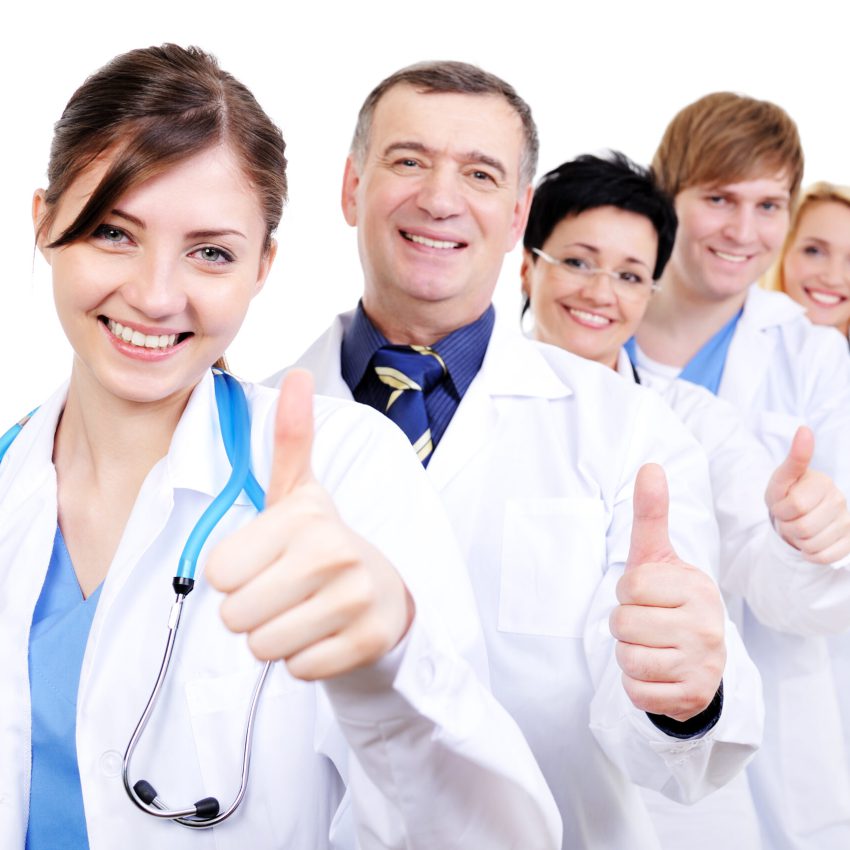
734, 165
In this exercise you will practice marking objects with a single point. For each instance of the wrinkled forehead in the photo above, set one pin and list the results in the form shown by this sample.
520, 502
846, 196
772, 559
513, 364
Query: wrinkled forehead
455, 123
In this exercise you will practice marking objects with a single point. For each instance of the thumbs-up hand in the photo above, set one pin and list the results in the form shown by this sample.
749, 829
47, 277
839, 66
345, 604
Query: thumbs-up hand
302, 585
809, 512
669, 623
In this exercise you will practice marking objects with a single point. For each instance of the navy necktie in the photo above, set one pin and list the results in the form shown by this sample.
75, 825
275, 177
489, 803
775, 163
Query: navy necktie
410, 371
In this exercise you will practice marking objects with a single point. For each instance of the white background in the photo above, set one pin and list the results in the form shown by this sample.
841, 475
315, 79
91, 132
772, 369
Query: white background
597, 74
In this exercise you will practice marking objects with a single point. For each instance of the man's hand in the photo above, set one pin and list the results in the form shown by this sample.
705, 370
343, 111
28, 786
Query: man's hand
669, 623
299, 583
808, 511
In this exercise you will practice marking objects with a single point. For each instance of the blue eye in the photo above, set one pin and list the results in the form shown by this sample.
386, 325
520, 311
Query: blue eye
216, 256
110, 233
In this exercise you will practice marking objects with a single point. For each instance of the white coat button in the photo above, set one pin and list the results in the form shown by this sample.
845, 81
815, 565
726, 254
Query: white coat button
427, 671
110, 763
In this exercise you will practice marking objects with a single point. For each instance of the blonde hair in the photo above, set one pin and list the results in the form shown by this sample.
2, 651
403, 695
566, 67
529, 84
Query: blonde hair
724, 138
818, 192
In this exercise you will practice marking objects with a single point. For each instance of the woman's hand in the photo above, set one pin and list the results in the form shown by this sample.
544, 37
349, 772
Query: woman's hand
301, 584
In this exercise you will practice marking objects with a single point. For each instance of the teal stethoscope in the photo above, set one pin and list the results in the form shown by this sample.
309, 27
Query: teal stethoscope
235, 424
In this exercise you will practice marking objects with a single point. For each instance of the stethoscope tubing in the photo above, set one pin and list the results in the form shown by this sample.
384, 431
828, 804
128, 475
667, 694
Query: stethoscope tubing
235, 424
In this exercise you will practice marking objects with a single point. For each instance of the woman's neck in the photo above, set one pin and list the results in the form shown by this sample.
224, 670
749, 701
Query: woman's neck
103, 450
111, 437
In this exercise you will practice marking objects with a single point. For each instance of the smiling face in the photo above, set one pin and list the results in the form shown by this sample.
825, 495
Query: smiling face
727, 238
151, 299
591, 316
437, 203
816, 268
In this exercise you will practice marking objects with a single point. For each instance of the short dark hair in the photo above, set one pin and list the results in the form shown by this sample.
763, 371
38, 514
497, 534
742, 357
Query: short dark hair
155, 107
588, 182
457, 78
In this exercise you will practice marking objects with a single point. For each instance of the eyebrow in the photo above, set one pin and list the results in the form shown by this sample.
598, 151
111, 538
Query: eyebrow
594, 250
470, 156
193, 234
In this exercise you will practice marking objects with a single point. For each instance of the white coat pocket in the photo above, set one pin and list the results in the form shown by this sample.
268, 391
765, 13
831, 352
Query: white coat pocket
218, 709
553, 555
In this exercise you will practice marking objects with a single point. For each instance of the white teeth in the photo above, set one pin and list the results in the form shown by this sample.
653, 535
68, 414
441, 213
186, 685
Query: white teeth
139, 339
825, 298
732, 258
590, 318
431, 243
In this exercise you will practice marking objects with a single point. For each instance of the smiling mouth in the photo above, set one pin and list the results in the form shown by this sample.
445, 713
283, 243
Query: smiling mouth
441, 244
590, 318
730, 258
135, 338
825, 299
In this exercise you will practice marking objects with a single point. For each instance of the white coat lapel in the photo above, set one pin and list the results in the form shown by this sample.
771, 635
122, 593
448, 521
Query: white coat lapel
752, 349
323, 359
513, 368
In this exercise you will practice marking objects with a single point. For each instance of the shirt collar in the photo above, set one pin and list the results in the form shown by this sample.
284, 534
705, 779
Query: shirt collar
462, 350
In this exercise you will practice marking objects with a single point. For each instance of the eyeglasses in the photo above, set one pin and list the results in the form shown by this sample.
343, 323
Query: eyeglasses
627, 284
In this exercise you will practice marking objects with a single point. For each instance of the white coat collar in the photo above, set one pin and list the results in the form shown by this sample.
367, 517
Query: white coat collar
28, 464
624, 365
196, 458
513, 367
324, 359
763, 309
751, 351
516, 366
512, 364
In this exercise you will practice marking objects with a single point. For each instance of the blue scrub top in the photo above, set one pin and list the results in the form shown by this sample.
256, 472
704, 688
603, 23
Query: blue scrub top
60, 630
706, 366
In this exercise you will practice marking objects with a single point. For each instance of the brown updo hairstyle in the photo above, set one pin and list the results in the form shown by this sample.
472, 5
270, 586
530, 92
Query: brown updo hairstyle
155, 107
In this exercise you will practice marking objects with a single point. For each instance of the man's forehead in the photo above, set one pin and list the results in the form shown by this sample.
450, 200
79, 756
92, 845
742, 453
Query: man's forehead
406, 108
767, 182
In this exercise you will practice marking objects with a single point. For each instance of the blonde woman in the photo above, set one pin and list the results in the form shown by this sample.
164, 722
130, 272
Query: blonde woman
814, 266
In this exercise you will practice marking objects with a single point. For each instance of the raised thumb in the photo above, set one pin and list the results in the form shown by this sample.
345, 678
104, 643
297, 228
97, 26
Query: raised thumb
650, 540
793, 468
293, 436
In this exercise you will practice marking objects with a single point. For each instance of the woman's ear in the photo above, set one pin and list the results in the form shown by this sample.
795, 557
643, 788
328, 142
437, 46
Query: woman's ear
525, 273
266, 262
39, 220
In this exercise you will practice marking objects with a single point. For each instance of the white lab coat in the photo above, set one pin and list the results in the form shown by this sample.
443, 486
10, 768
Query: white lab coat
782, 372
536, 470
429, 757
780, 587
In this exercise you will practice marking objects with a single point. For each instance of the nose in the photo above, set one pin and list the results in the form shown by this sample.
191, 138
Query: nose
598, 288
440, 193
741, 224
153, 287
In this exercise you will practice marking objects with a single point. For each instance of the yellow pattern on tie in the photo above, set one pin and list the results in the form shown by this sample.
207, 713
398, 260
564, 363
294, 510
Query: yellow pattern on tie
401, 383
